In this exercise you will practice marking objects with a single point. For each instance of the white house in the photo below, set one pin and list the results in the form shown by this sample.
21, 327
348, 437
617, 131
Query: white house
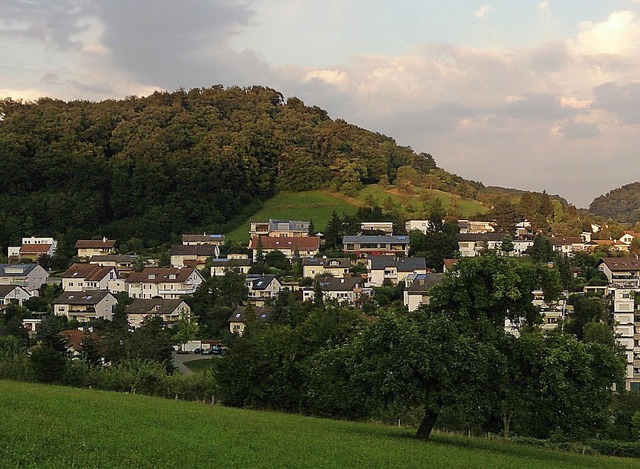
262, 288
237, 321
417, 287
33, 248
280, 228
337, 267
304, 246
386, 227
420, 225
95, 247
163, 282
348, 290
237, 264
13, 294
391, 269
168, 310
82, 276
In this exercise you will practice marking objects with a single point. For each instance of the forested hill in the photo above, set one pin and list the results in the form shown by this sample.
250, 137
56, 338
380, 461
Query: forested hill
622, 204
153, 167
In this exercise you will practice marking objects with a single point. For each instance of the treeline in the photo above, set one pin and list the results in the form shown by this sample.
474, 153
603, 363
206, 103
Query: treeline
449, 364
621, 204
152, 168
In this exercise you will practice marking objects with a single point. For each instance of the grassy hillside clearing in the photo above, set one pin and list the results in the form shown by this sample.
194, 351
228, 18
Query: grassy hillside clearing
465, 207
315, 205
318, 205
52, 427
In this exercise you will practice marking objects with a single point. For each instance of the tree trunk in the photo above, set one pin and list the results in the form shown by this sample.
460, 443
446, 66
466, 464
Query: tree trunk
428, 422
506, 423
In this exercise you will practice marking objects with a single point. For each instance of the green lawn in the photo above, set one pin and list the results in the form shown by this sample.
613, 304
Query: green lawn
467, 207
318, 205
315, 205
201, 364
57, 427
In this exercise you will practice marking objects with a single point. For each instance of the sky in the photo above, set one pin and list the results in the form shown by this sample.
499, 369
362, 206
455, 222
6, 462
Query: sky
535, 95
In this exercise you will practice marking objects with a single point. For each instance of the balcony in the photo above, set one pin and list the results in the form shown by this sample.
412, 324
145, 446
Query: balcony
625, 282
183, 291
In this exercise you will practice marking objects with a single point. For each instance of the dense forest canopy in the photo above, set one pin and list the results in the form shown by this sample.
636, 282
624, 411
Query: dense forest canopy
153, 167
622, 204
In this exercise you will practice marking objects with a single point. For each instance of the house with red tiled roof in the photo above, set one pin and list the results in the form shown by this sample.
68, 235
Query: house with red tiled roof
95, 247
449, 265
83, 277
306, 246
629, 236
610, 244
75, 339
33, 248
163, 282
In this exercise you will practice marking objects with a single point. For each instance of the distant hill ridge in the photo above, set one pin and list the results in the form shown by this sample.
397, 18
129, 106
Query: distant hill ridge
621, 204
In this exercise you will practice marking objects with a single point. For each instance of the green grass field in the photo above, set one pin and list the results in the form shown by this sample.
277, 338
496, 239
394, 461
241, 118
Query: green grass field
57, 427
199, 365
467, 207
316, 205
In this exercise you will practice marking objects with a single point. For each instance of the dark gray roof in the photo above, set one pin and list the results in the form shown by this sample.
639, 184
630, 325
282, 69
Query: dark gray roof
81, 298
342, 262
262, 312
193, 250
224, 262
376, 239
260, 282
6, 289
153, 306
405, 264
424, 282
16, 270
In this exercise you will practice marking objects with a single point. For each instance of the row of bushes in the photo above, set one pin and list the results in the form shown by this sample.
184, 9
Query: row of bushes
133, 376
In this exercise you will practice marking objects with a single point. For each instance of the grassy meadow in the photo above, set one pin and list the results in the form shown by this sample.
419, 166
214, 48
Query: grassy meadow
316, 205
200, 365
55, 427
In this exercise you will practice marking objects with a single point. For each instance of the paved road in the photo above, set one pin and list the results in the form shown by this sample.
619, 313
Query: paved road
179, 360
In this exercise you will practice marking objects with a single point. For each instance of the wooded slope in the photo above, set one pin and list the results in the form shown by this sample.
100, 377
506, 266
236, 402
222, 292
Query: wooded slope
157, 166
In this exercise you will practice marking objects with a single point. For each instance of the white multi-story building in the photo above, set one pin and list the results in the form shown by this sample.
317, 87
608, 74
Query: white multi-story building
627, 331
163, 282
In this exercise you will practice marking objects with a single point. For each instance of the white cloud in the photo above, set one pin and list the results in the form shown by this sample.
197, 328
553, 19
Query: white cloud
618, 35
545, 9
483, 12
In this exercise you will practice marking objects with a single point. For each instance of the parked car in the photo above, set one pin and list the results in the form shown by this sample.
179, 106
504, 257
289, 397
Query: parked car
218, 350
